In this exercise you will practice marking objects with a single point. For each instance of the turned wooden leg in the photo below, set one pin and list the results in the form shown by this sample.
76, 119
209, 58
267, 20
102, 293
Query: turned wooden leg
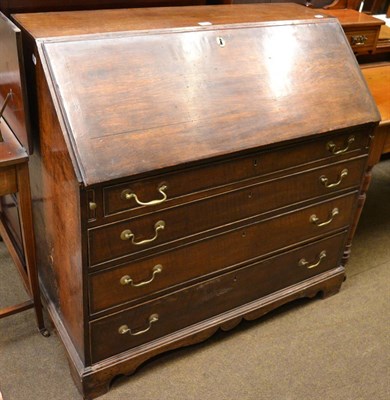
26, 223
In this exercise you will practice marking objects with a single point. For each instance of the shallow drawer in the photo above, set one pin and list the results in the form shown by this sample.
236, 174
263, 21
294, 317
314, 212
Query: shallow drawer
108, 242
109, 288
212, 297
362, 40
162, 190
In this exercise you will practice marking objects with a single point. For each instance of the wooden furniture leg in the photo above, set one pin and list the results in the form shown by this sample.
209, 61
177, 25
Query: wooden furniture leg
26, 223
15, 178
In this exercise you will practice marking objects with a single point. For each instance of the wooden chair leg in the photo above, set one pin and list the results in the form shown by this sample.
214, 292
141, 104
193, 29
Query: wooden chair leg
26, 223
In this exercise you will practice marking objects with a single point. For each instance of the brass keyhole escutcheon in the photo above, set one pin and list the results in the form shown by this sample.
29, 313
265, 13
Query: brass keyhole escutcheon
221, 41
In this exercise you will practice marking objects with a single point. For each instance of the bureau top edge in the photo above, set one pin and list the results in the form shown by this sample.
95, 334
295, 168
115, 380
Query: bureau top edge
40, 25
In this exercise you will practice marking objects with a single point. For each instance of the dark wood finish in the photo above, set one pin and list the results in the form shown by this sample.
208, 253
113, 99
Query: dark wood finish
361, 30
194, 182
14, 177
54, 187
202, 301
378, 81
308, 3
12, 79
106, 290
152, 134
105, 244
343, 4
376, 6
240, 136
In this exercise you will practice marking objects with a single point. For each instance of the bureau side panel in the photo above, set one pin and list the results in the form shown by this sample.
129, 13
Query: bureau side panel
56, 206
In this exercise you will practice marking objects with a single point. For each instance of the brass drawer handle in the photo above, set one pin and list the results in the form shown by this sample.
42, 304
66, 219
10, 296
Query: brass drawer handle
128, 195
304, 263
315, 220
127, 234
125, 329
127, 280
324, 180
331, 146
358, 40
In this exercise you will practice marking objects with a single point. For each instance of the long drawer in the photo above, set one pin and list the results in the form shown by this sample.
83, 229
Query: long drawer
143, 233
198, 259
163, 190
143, 323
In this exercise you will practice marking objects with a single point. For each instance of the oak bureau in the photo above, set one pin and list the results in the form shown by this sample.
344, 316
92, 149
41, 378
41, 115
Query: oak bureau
193, 167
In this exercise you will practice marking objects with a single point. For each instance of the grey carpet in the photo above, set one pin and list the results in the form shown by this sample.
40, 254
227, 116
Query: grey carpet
333, 349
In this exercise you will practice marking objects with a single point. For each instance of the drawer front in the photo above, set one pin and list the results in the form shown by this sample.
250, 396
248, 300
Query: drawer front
108, 288
362, 41
8, 182
107, 242
169, 188
212, 297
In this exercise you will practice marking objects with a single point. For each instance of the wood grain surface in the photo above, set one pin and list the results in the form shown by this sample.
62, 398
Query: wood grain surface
202, 106
40, 25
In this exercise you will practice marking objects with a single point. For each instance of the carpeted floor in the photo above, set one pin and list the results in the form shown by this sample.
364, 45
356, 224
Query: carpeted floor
333, 349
